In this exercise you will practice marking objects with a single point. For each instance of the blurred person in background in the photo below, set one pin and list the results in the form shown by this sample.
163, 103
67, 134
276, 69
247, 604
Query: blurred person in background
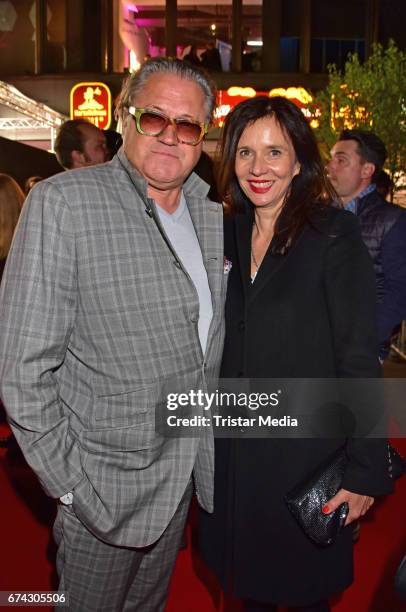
114, 140
205, 168
192, 56
354, 170
79, 143
11, 201
30, 182
384, 184
210, 58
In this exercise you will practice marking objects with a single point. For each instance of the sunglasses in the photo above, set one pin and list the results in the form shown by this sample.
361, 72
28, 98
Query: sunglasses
153, 123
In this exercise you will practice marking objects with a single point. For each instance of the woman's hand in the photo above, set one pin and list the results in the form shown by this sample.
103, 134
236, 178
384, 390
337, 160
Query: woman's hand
358, 504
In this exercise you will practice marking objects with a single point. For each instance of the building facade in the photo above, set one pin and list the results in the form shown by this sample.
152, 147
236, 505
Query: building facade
49, 45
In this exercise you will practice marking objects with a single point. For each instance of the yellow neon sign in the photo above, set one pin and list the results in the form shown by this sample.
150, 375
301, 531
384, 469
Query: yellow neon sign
246, 92
296, 93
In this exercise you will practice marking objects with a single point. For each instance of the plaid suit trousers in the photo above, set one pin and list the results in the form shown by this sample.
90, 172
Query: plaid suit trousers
101, 577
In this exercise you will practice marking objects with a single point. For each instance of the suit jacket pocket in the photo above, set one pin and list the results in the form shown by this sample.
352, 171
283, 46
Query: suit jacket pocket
125, 441
125, 408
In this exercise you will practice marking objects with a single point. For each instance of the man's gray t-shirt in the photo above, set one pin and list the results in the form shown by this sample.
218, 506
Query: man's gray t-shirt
181, 232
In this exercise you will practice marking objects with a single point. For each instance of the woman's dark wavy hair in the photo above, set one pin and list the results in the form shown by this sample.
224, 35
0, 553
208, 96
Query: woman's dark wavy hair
309, 189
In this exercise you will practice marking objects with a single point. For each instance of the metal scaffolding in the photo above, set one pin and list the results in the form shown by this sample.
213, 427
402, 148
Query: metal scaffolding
33, 118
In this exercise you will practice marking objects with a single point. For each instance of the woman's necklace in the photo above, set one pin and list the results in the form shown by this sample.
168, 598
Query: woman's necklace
253, 258
254, 261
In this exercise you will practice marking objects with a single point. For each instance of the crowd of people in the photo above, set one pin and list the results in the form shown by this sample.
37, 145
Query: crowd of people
209, 59
125, 280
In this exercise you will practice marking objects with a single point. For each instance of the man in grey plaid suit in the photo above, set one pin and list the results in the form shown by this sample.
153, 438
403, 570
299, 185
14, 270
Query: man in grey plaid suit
114, 287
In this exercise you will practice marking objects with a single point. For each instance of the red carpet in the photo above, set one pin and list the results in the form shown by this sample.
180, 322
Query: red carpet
27, 551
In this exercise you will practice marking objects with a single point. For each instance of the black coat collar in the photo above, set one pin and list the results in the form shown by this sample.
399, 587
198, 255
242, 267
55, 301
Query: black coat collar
271, 264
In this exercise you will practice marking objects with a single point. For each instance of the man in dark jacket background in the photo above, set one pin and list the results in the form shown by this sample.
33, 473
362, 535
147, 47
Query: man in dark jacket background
356, 162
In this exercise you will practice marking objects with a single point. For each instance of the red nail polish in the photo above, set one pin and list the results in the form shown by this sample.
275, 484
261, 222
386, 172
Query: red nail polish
325, 509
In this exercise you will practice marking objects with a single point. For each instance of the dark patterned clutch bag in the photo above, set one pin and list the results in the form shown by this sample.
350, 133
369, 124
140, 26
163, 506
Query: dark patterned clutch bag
306, 500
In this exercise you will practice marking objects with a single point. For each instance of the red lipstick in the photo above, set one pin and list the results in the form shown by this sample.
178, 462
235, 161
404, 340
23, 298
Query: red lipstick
255, 186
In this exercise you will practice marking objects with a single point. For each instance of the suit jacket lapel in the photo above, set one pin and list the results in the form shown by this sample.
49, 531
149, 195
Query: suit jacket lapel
270, 265
138, 182
204, 213
243, 234
207, 220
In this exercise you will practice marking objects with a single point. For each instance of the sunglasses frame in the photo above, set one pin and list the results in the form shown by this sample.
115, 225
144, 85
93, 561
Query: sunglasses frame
137, 112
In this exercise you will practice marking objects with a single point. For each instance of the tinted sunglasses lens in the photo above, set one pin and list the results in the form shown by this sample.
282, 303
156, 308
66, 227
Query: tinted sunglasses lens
188, 132
151, 123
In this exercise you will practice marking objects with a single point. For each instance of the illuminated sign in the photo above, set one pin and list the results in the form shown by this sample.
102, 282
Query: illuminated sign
91, 101
296, 94
242, 92
226, 100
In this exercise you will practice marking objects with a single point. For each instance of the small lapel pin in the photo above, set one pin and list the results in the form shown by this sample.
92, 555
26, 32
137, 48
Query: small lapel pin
227, 265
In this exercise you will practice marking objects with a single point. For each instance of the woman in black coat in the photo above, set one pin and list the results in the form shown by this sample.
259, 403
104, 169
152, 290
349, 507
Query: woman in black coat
300, 304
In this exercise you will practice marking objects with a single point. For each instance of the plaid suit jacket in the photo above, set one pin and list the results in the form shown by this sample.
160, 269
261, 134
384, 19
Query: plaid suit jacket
97, 316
